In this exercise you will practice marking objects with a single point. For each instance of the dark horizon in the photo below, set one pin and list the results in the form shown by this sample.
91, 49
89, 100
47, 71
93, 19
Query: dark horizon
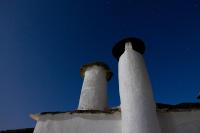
44, 43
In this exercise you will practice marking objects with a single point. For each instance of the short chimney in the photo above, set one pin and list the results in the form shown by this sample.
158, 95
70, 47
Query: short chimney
94, 88
137, 104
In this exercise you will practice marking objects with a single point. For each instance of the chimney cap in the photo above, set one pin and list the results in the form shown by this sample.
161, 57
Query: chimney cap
137, 45
101, 64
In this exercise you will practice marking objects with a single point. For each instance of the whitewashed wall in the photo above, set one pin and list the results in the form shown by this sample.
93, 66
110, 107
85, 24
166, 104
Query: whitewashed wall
80, 123
180, 122
170, 122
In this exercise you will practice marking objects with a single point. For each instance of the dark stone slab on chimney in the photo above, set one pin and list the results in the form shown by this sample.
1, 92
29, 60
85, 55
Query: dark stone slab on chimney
137, 45
102, 64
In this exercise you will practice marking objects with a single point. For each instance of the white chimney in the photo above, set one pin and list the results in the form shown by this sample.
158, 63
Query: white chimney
137, 104
94, 89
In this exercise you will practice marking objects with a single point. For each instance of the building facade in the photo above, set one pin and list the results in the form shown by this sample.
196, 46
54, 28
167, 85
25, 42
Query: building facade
138, 112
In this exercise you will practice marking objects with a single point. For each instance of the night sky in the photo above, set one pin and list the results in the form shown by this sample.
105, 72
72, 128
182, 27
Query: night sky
43, 43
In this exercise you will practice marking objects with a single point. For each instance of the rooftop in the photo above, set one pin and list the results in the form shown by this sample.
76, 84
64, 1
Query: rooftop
182, 107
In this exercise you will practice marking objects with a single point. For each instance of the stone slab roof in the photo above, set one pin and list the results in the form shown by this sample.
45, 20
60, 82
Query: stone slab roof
182, 107
178, 107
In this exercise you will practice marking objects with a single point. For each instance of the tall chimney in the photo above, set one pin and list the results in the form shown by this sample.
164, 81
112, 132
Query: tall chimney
94, 89
137, 103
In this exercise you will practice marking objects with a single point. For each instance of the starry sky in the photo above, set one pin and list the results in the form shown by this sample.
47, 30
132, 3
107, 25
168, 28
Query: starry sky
43, 43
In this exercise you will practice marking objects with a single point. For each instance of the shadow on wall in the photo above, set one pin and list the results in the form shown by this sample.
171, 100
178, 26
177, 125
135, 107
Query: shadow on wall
26, 130
189, 127
179, 122
167, 123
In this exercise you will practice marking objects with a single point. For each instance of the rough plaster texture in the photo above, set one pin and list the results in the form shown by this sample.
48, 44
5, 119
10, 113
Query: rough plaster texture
170, 122
137, 104
180, 122
94, 89
79, 123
